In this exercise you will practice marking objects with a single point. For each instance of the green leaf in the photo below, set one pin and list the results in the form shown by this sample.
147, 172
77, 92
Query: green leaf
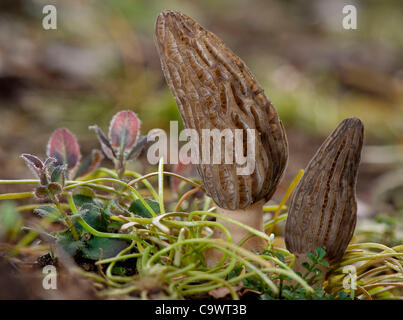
319, 292
81, 199
106, 211
235, 272
306, 265
120, 271
93, 216
96, 214
58, 174
317, 271
324, 263
83, 191
343, 295
320, 253
104, 248
267, 296
279, 256
139, 209
106, 214
311, 256
69, 245
48, 211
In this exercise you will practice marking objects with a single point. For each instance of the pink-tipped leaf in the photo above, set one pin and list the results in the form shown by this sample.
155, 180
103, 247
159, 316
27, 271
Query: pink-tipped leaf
104, 142
63, 146
135, 152
124, 130
90, 163
34, 164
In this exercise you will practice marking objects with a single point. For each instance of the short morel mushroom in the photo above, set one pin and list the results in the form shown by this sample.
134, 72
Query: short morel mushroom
214, 89
323, 208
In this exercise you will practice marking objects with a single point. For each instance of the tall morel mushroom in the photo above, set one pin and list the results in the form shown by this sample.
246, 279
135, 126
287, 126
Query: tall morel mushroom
214, 89
323, 208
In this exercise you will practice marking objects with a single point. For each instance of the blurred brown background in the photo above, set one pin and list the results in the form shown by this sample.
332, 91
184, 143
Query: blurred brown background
102, 59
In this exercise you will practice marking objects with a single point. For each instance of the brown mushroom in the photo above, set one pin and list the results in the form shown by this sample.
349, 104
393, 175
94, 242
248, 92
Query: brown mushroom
323, 208
214, 89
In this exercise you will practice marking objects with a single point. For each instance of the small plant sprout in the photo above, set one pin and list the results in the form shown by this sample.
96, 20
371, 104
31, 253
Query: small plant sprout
124, 142
214, 89
323, 208
62, 163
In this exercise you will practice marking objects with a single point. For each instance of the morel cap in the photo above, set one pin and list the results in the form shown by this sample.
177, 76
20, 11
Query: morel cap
214, 89
323, 208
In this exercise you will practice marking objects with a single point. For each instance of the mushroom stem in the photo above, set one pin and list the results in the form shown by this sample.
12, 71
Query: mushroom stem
251, 216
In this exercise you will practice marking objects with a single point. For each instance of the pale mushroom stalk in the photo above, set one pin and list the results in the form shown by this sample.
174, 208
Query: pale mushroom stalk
214, 89
251, 216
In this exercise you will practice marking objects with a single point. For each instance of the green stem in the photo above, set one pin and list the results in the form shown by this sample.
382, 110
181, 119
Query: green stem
161, 185
112, 264
119, 258
210, 277
97, 233
167, 173
134, 191
370, 257
145, 182
73, 209
270, 223
19, 195
241, 225
20, 181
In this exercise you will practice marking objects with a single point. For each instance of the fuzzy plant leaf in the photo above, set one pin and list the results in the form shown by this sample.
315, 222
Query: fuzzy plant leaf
91, 213
102, 248
124, 131
104, 142
84, 196
63, 146
49, 162
42, 192
36, 166
48, 211
95, 213
59, 174
68, 244
135, 152
55, 188
90, 163
139, 209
